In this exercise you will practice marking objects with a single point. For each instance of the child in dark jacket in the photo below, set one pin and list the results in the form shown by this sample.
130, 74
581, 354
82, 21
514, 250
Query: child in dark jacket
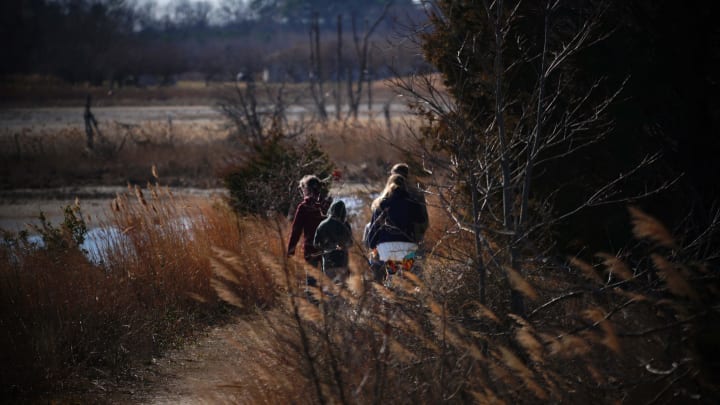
333, 237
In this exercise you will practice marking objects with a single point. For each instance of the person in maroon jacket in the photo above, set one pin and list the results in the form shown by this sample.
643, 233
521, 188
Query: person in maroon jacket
308, 215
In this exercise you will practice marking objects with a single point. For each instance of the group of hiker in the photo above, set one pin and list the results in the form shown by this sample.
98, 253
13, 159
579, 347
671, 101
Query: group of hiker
393, 235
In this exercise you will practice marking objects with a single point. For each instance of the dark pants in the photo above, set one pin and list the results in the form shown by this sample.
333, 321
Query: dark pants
378, 270
314, 261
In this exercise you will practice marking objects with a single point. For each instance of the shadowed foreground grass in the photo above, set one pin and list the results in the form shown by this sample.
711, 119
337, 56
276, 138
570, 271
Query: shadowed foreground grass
147, 287
637, 326
624, 329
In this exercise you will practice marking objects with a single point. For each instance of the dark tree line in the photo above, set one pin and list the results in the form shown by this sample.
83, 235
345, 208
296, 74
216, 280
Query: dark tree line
669, 55
657, 64
129, 43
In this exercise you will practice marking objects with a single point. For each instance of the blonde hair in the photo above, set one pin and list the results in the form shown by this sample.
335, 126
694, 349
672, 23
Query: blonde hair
310, 184
394, 182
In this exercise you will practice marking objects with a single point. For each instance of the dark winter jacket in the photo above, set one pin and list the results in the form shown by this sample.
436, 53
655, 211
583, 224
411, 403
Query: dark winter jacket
395, 220
308, 215
422, 222
333, 236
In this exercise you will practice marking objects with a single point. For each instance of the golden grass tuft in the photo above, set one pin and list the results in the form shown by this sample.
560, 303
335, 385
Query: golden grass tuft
223, 271
401, 353
633, 296
596, 375
435, 308
226, 293
414, 279
355, 282
509, 358
385, 293
532, 346
646, 226
309, 311
401, 284
481, 311
587, 270
520, 285
486, 397
676, 283
615, 266
610, 339
567, 346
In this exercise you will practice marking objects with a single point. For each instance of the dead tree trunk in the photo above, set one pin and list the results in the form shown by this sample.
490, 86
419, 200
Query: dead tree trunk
369, 78
91, 125
362, 52
338, 68
316, 77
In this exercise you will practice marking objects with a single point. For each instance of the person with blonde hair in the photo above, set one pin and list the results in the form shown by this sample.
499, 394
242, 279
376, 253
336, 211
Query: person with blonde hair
418, 195
392, 232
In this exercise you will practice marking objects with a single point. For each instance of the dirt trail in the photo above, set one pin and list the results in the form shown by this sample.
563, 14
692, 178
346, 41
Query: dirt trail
202, 372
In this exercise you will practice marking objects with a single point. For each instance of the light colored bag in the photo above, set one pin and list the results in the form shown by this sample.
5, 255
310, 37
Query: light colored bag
396, 251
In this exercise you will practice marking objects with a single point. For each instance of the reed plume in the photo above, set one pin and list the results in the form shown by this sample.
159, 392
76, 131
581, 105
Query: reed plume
646, 226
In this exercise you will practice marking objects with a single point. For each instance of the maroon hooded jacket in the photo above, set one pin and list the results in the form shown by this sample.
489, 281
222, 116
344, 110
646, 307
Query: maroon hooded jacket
308, 215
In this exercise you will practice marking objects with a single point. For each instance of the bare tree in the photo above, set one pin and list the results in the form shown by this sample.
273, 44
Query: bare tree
258, 117
499, 128
362, 45
338, 68
316, 73
91, 125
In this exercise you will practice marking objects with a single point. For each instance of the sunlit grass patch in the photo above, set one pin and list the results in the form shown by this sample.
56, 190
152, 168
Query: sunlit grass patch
65, 311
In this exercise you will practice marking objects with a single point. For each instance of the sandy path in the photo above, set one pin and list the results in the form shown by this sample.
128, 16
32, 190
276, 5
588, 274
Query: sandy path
231, 364
201, 372
204, 371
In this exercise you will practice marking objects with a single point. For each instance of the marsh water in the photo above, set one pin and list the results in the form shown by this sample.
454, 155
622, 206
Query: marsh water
57, 117
20, 209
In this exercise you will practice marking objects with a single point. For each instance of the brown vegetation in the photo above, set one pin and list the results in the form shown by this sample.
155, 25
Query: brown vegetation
424, 340
184, 155
633, 325
67, 312
610, 331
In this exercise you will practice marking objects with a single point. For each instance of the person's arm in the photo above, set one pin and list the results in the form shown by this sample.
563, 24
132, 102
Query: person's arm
374, 228
420, 219
348, 240
297, 229
321, 239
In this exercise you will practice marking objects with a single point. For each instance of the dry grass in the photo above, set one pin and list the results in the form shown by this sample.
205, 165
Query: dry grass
147, 286
184, 155
414, 342
365, 149
170, 262
167, 264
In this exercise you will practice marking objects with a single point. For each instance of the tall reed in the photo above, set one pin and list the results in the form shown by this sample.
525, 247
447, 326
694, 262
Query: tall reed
67, 309
424, 341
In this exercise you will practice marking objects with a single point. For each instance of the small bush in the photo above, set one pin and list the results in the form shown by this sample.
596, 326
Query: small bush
266, 181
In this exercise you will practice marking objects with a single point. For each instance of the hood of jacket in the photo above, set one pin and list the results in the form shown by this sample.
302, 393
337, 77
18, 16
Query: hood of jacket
337, 210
